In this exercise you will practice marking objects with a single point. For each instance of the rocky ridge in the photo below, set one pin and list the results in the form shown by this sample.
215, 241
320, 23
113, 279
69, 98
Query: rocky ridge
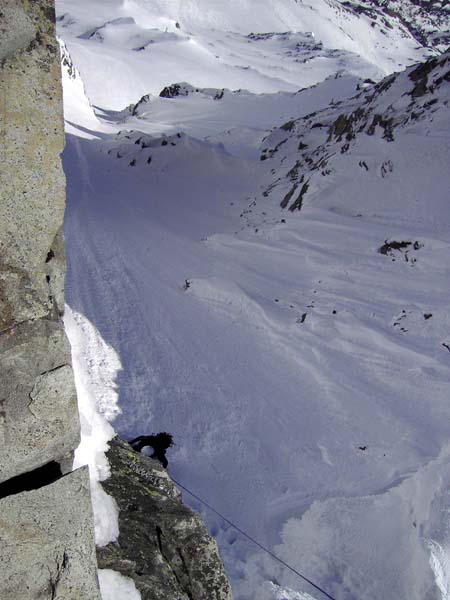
163, 545
305, 153
427, 21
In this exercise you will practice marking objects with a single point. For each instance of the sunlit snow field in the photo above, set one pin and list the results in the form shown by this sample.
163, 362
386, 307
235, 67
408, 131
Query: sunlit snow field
305, 389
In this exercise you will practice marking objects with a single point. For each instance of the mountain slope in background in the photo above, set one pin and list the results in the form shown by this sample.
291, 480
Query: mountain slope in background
127, 49
271, 271
426, 20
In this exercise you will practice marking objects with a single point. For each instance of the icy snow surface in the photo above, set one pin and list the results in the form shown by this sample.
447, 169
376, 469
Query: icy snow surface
114, 586
296, 365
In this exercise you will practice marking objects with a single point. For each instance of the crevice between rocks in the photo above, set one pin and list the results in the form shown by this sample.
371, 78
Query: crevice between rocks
186, 570
33, 480
159, 535
31, 394
54, 581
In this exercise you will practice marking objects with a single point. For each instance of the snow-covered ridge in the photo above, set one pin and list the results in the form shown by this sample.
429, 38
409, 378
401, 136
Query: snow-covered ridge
270, 47
406, 102
236, 119
427, 20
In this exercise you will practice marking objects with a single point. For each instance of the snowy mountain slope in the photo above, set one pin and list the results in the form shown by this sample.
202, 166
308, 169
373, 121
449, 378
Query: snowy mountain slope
117, 45
238, 119
338, 348
427, 20
379, 161
299, 357
410, 105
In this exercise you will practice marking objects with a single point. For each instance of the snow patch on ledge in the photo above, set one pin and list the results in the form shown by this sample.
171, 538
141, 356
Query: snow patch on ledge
95, 366
114, 586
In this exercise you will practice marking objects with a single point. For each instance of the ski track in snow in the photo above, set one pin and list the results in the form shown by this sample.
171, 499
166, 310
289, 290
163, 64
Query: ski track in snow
300, 408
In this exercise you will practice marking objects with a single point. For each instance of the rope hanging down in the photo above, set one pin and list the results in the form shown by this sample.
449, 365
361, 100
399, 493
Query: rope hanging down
274, 556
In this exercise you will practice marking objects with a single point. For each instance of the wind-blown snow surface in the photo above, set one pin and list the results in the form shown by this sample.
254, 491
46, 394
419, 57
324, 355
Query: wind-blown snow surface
302, 371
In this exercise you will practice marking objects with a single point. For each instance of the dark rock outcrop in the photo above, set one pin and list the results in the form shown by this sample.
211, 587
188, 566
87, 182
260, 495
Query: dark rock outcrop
309, 148
163, 545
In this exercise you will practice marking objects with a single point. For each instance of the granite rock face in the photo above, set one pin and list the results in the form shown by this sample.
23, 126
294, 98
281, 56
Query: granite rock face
46, 525
163, 545
38, 413
57, 520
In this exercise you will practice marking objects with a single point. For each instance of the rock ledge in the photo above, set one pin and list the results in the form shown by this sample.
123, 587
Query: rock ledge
163, 545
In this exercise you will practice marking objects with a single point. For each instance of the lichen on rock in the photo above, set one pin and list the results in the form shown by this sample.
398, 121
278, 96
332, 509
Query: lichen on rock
163, 545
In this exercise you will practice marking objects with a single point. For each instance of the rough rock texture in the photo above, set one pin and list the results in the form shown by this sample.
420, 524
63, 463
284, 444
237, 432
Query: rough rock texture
43, 536
37, 394
46, 533
163, 545
39, 414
